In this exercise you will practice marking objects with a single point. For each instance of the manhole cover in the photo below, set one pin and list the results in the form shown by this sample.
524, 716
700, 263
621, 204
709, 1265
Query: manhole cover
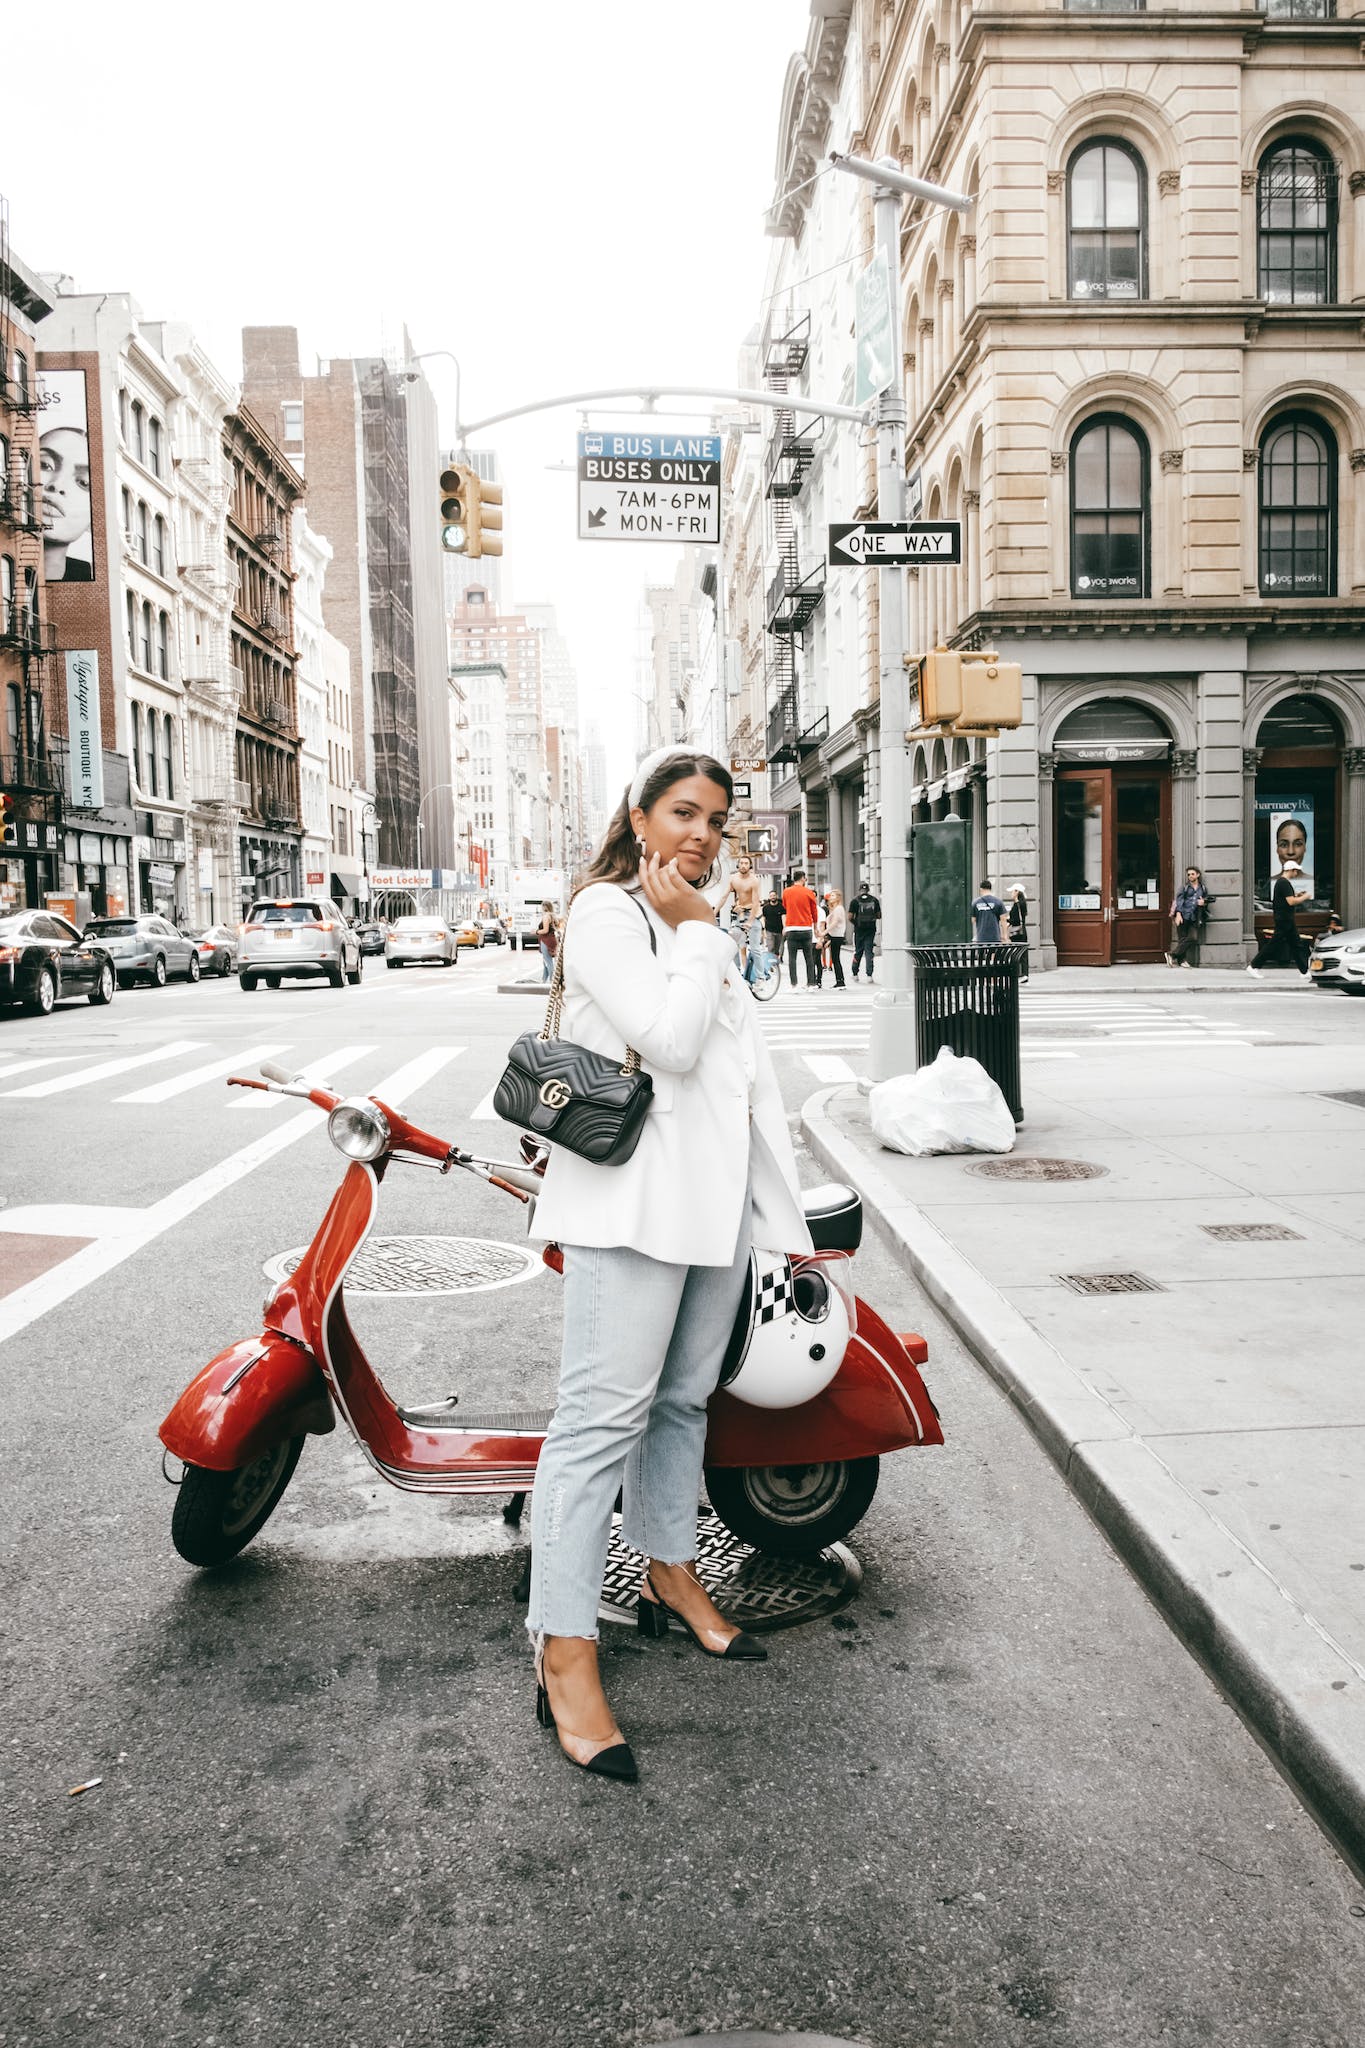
1110, 1283
1037, 1169
425, 1265
1249, 1233
752, 1589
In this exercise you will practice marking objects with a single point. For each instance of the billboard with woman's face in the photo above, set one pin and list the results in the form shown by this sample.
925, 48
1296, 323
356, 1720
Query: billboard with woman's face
1291, 836
64, 459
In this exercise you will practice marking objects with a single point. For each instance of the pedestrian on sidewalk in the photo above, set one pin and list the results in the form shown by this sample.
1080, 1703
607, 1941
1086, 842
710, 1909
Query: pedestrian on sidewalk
836, 930
1189, 911
656, 1247
1284, 937
819, 947
1019, 925
547, 938
987, 912
865, 913
799, 912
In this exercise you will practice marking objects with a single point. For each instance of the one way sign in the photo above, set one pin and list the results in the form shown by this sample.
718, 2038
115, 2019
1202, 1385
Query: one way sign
907, 540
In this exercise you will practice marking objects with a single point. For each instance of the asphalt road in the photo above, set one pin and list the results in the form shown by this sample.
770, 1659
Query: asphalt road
992, 1802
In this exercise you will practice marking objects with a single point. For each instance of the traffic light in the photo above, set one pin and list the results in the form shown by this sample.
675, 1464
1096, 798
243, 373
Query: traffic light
969, 693
471, 513
9, 835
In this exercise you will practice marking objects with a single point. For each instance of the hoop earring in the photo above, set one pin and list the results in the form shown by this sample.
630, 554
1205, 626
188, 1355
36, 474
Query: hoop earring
639, 841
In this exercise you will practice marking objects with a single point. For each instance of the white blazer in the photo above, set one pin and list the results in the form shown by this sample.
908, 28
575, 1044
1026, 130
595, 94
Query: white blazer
680, 1195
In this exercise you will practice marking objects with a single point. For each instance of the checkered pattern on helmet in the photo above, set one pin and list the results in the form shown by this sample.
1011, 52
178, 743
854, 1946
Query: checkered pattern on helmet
774, 1294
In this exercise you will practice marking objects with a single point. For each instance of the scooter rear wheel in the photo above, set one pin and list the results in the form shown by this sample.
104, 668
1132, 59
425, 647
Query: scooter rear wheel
792, 1510
218, 1513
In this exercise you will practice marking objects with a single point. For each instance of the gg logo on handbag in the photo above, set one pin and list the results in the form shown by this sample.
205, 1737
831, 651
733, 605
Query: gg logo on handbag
575, 1098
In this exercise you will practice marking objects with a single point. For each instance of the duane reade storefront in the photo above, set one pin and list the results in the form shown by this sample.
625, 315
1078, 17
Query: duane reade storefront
1122, 776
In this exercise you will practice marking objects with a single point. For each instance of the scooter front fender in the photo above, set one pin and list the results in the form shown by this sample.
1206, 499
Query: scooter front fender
246, 1400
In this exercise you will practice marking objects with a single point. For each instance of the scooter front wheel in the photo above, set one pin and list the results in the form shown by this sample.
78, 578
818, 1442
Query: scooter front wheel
792, 1510
218, 1513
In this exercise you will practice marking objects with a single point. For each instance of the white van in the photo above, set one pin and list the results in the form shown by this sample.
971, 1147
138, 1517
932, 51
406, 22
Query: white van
530, 888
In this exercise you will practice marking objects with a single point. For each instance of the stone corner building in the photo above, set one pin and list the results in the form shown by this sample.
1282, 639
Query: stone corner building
1136, 372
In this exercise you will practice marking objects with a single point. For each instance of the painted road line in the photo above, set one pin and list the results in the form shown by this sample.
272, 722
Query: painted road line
485, 1113
315, 1071
51, 1059
1167, 1038
49, 1290
104, 1071
162, 1091
826, 1067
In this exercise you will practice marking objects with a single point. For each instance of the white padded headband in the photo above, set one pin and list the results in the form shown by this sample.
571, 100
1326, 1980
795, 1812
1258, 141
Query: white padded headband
648, 766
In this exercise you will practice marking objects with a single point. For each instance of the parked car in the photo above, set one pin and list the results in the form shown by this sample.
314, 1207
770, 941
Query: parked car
145, 948
370, 934
304, 937
493, 933
1338, 961
217, 945
417, 941
469, 932
44, 960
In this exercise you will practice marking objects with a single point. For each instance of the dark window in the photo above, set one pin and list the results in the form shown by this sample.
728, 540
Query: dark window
137, 746
163, 646
1109, 471
1299, 10
159, 545
123, 414
4, 469
147, 638
1296, 220
168, 754
1298, 502
1106, 223
154, 445
139, 418
142, 530
132, 626
7, 593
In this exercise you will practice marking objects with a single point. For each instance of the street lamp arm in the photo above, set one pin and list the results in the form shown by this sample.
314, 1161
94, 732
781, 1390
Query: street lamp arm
887, 173
651, 393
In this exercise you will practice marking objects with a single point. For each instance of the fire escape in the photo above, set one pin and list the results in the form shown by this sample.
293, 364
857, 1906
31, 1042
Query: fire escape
27, 767
792, 598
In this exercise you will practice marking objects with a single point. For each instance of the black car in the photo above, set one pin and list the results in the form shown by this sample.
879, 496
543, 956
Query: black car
371, 937
44, 960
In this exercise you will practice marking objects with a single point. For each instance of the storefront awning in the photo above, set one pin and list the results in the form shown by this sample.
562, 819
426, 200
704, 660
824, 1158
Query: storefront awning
346, 878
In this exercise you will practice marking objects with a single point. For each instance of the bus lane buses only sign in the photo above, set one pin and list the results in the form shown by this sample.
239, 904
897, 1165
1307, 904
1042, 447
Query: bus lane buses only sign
649, 487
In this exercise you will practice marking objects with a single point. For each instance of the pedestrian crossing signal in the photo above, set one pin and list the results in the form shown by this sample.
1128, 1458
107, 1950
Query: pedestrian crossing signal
471, 513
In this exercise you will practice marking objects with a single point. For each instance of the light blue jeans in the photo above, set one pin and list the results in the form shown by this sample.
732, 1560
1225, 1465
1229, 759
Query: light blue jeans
643, 1345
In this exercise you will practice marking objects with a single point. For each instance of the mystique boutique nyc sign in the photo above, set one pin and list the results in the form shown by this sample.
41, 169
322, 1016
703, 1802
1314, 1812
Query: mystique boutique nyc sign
85, 762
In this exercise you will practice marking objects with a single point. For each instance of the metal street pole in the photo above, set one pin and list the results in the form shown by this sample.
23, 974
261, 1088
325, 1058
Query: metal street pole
894, 712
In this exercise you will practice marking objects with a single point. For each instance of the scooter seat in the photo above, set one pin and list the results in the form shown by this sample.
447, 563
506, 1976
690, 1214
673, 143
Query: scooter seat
834, 1216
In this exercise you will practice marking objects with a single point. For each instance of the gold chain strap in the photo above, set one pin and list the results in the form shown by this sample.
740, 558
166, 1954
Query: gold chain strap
555, 1004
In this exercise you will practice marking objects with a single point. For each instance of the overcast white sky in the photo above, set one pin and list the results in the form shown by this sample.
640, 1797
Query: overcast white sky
568, 196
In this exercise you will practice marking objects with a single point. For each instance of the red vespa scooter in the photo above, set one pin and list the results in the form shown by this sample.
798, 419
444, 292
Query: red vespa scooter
785, 1480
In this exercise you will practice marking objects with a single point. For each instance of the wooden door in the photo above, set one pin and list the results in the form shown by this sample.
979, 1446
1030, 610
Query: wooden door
1082, 867
1140, 861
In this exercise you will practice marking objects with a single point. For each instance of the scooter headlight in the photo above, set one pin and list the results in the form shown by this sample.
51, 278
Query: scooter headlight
358, 1128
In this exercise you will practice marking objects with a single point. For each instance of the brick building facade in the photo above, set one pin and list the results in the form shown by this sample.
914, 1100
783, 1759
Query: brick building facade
265, 488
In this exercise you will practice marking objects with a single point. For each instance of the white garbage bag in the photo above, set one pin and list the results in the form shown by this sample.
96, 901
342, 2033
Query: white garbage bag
951, 1106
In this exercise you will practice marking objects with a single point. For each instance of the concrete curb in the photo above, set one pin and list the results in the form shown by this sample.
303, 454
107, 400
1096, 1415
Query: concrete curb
1299, 1691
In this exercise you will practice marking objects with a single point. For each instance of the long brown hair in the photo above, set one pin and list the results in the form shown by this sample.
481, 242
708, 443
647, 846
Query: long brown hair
617, 859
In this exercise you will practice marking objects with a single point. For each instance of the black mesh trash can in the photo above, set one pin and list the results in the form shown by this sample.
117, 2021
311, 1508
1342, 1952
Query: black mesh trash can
967, 997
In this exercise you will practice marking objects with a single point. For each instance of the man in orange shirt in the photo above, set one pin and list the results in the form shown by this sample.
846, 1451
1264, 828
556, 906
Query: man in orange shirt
799, 912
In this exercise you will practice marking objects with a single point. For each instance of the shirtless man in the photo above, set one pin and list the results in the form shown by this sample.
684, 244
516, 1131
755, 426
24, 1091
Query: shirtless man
747, 891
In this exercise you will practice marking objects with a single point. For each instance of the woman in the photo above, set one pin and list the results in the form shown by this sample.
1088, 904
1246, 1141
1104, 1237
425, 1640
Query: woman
655, 1249
1189, 910
836, 931
1018, 919
547, 938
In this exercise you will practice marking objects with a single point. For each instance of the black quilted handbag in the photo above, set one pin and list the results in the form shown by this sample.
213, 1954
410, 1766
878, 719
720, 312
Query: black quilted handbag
582, 1100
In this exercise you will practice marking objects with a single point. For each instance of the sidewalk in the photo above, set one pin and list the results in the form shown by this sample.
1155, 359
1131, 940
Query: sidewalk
1214, 1428
1159, 979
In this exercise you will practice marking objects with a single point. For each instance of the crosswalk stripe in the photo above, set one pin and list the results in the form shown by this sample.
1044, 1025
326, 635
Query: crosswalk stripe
51, 1059
316, 1070
162, 1091
104, 1071
826, 1067
485, 1113
415, 1074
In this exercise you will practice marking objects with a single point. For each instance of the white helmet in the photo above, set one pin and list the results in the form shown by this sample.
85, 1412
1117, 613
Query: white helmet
791, 1331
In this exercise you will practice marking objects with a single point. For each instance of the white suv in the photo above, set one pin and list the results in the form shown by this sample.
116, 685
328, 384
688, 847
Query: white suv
297, 935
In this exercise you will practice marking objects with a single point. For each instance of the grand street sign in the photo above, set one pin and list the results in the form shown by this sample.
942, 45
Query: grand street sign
649, 487
907, 540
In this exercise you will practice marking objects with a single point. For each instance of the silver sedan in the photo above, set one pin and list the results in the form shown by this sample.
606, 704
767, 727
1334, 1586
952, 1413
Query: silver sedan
420, 941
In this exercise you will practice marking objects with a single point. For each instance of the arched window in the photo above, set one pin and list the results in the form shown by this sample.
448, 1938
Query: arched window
159, 545
167, 756
1109, 509
147, 638
154, 444
1106, 223
7, 620
4, 471
1298, 507
163, 646
139, 419
143, 549
132, 626
136, 712
1296, 222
